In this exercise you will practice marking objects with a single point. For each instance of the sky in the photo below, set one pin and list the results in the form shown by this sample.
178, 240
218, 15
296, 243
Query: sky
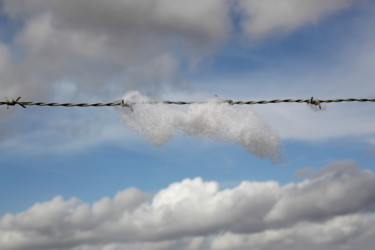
202, 176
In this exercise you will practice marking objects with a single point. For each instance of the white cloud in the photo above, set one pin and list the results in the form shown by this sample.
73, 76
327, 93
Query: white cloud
332, 209
268, 17
214, 120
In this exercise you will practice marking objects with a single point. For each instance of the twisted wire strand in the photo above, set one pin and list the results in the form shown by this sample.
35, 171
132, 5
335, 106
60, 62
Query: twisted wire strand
311, 101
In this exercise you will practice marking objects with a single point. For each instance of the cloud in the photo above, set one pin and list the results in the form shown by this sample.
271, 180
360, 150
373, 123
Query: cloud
268, 17
341, 232
214, 120
305, 200
333, 208
98, 44
164, 16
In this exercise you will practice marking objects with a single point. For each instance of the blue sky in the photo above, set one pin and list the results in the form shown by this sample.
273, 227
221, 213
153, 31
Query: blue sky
67, 175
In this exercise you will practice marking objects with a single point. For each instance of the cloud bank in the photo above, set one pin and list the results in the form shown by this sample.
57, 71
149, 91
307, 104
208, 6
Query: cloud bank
214, 120
332, 209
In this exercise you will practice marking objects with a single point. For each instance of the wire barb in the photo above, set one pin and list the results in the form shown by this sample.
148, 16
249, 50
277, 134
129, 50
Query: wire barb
128, 105
316, 105
12, 102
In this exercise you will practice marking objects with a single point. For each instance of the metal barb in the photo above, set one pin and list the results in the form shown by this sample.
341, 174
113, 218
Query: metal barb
315, 102
12, 102
124, 104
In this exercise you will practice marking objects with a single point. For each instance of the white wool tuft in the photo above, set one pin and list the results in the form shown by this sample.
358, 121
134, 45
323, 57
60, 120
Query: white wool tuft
215, 120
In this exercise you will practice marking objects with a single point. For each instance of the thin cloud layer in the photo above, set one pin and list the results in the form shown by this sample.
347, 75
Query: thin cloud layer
331, 209
215, 120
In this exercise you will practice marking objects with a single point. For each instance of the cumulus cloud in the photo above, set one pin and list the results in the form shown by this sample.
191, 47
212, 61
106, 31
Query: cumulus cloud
214, 120
268, 17
332, 209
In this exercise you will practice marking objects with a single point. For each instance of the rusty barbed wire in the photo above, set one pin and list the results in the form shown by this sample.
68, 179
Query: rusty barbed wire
311, 101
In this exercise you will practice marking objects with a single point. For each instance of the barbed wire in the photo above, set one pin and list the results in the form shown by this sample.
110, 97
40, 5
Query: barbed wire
311, 101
